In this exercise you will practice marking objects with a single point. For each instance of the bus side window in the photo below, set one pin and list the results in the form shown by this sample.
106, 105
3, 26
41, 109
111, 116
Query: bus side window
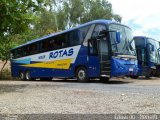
92, 43
82, 32
73, 38
44, 45
76, 37
12, 54
26, 50
62, 41
92, 46
51, 44
33, 48
18, 53
98, 29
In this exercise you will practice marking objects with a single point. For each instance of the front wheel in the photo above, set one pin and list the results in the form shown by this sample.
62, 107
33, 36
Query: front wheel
81, 75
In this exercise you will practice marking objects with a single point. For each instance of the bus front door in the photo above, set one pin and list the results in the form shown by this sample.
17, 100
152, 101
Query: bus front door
103, 52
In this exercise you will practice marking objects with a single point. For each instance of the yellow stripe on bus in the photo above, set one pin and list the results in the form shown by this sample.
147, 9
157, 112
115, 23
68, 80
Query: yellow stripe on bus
57, 64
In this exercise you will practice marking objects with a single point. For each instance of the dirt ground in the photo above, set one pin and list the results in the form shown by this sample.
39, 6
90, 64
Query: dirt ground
70, 97
7, 65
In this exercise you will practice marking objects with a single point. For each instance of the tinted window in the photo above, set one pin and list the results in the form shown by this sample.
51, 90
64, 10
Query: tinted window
54, 43
68, 39
82, 33
73, 38
98, 29
33, 48
139, 42
76, 37
93, 48
18, 53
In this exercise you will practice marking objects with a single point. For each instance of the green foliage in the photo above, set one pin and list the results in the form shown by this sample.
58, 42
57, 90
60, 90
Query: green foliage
5, 46
24, 20
16, 17
69, 13
82, 11
46, 23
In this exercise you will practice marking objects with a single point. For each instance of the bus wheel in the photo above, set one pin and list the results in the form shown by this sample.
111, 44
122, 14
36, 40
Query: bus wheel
134, 77
28, 76
81, 75
104, 79
147, 76
22, 75
46, 78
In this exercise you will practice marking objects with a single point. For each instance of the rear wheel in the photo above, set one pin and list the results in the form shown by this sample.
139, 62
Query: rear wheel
46, 78
147, 76
22, 75
134, 77
81, 75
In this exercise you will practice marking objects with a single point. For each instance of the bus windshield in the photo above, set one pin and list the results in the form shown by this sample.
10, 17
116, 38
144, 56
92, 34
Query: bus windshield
126, 45
154, 54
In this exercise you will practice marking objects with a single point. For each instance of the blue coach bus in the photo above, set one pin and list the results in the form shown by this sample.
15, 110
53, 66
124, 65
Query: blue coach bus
147, 55
97, 49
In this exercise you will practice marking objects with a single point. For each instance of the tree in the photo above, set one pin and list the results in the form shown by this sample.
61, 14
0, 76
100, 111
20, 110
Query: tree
16, 18
5, 46
46, 23
82, 11
69, 13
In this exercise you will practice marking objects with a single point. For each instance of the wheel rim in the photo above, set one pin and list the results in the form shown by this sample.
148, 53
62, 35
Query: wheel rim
21, 75
27, 76
81, 75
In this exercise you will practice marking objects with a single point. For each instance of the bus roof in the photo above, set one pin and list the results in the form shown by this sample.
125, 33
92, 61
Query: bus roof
145, 37
101, 21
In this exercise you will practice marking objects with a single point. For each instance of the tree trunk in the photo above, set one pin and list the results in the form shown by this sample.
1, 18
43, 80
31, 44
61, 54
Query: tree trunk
3, 66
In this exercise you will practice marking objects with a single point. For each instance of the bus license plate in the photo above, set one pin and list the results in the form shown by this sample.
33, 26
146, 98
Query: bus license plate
130, 69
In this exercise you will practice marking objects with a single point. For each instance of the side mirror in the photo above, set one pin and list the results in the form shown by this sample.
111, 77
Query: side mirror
152, 48
102, 34
118, 37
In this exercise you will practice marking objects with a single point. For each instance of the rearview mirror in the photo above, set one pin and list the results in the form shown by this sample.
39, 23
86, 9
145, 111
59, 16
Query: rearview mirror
152, 48
118, 37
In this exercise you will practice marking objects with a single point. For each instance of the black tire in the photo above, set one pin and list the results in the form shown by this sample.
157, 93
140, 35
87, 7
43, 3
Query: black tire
147, 77
134, 77
104, 79
46, 78
22, 75
81, 75
28, 77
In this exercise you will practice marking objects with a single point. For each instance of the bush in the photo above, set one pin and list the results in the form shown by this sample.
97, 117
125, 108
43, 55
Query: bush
6, 75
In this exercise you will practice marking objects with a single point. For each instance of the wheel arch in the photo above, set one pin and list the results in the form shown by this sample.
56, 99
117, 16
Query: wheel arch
78, 66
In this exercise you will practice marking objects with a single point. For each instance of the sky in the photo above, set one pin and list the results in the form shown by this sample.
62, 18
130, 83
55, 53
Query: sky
143, 16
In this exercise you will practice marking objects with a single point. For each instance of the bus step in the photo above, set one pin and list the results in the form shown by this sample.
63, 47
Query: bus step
107, 72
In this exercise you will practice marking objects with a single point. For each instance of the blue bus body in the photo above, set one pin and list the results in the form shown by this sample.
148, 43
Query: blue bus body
147, 55
99, 58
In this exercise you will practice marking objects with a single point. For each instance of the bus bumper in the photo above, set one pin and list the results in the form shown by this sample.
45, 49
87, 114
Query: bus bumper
122, 67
